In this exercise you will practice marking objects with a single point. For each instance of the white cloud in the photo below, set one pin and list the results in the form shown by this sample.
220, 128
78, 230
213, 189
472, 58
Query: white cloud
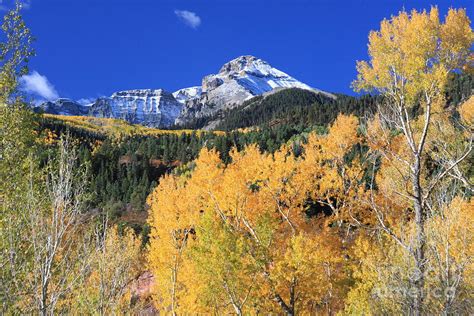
35, 83
189, 18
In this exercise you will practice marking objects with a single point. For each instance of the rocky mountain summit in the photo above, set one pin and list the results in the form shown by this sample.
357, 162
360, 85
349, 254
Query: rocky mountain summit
186, 94
237, 81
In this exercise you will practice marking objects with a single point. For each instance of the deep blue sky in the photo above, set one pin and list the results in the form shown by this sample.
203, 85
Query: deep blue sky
89, 48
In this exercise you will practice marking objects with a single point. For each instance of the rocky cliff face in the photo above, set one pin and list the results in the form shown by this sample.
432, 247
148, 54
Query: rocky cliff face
237, 81
155, 108
63, 107
186, 94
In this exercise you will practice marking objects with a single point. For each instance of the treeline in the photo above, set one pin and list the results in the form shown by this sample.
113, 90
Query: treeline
294, 107
124, 171
302, 108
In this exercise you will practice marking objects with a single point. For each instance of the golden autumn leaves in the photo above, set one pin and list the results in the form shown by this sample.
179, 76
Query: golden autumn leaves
414, 52
238, 238
374, 217
424, 155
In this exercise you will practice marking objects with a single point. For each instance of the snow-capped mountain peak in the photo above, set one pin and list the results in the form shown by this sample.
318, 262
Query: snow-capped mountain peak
250, 65
237, 81
185, 94
252, 76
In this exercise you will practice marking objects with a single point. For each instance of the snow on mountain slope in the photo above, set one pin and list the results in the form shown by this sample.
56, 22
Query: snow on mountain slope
258, 76
238, 80
156, 108
185, 94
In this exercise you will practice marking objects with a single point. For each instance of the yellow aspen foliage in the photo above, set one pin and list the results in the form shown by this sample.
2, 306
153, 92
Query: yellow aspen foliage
392, 177
172, 229
341, 137
225, 267
113, 265
308, 273
411, 57
450, 237
383, 270
456, 35
238, 238
421, 155
372, 292
327, 173
400, 49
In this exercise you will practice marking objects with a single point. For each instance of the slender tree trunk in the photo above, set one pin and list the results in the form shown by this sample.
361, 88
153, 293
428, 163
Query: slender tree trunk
43, 308
44, 290
174, 275
292, 296
174, 280
420, 242
237, 309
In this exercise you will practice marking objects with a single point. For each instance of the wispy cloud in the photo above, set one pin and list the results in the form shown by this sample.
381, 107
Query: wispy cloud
3, 7
39, 85
189, 18
25, 4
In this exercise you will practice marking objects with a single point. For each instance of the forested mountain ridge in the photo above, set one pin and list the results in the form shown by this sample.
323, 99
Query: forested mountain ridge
126, 161
297, 107
109, 126
290, 106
